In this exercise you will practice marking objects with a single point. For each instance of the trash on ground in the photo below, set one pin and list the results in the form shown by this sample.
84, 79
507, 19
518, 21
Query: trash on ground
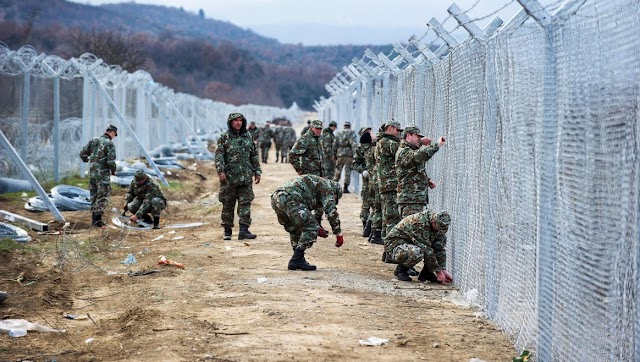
130, 260
75, 316
143, 272
177, 238
7, 325
184, 226
158, 238
88, 340
373, 341
166, 261
17, 333
261, 280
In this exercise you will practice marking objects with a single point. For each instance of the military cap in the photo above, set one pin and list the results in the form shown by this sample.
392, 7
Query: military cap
140, 175
233, 116
347, 124
363, 130
112, 128
395, 124
316, 123
413, 130
442, 219
333, 124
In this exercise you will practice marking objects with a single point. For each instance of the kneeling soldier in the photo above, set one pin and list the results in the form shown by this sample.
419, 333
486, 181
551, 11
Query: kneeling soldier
145, 196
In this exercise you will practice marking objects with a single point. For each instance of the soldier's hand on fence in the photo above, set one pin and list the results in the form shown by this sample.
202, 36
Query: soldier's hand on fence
442, 279
432, 185
365, 174
441, 141
223, 177
257, 178
448, 276
425, 141
339, 240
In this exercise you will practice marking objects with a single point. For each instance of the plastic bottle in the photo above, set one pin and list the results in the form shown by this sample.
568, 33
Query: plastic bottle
17, 333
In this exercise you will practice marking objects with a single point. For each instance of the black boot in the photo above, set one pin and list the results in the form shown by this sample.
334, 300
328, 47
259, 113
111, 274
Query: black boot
401, 273
156, 222
377, 237
245, 233
97, 220
298, 262
346, 189
412, 272
367, 229
227, 233
277, 158
147, 219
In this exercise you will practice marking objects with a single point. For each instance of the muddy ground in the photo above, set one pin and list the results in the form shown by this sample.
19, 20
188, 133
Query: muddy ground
234, 300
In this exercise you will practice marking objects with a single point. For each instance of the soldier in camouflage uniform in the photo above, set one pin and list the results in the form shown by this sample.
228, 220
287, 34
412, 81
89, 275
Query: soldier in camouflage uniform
360, 166
288, 139
330, 149
293, 202
266, 134
101, 155
278, 139
376, 213
237, 161
143, 197
417, 237
345, 144
413, 183
254, 132
305, 128
385, 152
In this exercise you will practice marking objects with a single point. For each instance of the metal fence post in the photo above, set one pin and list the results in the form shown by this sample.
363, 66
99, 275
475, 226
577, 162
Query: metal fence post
56, 129
26, 100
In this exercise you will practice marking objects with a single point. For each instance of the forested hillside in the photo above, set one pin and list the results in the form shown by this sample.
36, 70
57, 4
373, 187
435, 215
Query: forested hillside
186, 51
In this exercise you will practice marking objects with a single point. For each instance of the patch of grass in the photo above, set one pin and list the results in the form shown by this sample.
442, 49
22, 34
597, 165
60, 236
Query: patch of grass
8, 245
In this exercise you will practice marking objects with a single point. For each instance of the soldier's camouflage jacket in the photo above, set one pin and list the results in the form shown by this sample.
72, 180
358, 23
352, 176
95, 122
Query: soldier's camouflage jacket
254, 132
328, 141
278, 135
145, 193
360, 164
386, 148
101, 153
413, 182
236, 154
346, 142
314, 192
266, 134
306, 155
416, 229
288, 136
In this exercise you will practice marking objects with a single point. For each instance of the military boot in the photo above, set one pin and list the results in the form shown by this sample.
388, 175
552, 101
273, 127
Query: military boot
156, 222
366, 231
277, 158
346, 189
377, 237
227, 233
298, 261
245, 233
412, 272
401, 273
97, 221
147, 219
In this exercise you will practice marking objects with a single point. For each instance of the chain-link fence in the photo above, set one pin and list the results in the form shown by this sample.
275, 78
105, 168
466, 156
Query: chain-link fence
541, 169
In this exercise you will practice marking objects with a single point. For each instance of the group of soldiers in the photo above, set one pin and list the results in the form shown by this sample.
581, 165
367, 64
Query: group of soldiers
284, 136
144, 199
394, 194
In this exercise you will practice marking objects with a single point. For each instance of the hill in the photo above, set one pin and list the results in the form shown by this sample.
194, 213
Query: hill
185, 51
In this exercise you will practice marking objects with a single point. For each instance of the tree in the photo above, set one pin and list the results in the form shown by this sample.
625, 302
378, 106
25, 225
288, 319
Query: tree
115, 47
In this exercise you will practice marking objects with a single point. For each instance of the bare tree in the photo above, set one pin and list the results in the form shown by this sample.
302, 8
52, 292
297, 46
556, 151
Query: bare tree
114, 47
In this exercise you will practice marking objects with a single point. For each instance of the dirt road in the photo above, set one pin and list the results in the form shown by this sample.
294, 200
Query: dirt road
235, 300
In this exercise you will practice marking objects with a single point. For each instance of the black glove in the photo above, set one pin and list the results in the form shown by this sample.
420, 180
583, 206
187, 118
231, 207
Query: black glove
427, 274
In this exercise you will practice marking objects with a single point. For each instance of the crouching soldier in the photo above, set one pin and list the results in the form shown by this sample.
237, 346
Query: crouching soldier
294, 203
143, 197
417, 237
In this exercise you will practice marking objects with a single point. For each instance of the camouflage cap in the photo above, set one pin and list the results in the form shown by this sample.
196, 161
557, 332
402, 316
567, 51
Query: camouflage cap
413, 130
333, 124
347, 124
395, 124
442, 219
112, 128
363, 130
140, 175
316, 123
337, 189
233, 116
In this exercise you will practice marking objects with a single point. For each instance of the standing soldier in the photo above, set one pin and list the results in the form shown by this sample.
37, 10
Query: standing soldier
254, 132
288, 139
143, 197
306, 128
101, 155
278, 138
236, 162
345, 144
417, 237
360, 165
266, 134
386, 148
329, 147
413, 183
293, 202
306, 157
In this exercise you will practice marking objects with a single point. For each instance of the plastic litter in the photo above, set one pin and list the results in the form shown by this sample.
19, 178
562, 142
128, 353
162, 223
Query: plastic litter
17, 333
75, 316
88, 340
261, 280
373, 341
7, 325
164, 260
130, 260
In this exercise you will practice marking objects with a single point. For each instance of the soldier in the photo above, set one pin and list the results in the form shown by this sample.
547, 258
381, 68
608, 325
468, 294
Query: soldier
306, 158
376, 213
254, 132
288, 139
101, 155
386, 148
277, 139
417, 237
413, 183
345, 144
360, 165
293, 202
236, 162
143, 197
306, 128
266, 134
329, 148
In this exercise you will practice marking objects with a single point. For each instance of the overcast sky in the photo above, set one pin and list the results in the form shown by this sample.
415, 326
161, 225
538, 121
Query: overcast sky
325, 22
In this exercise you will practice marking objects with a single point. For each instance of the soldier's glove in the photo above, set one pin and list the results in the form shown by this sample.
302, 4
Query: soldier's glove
442, 279
339, 240
427, 275
365, 174
322, 232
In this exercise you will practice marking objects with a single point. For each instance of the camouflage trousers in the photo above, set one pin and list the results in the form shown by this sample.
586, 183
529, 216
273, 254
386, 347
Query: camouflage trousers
328, 168
284, 152
409, 209
367, 203
343, 162
264, 151
278, 149
229, 194
407, 255
157, 205
319, 211
390, 214
376, 207
297, 220
99, 192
